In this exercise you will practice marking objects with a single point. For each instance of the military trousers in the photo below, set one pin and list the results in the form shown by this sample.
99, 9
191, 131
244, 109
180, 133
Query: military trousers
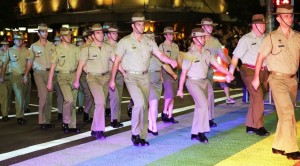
115, 97
88, 101
99, 89
138, 86
60, 98
284, 92
255, 115
45, 96
5, 96
199, 91
69, 93
17, 82
211, 96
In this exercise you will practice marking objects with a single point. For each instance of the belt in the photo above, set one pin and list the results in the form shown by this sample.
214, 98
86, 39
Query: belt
153, 71
253, 67
195, 78
65, 72
98, 74
46, 69
18, 74
283, 74
137, 72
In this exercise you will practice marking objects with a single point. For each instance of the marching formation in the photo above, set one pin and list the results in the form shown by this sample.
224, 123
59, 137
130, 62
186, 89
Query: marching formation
96, 69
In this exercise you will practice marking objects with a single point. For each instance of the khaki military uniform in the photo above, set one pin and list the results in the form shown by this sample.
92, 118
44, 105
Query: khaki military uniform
135, 61
247, 51
214, 46
97, 66
17, 58
5, 89
41, 67
283, 63
67, 61
170, 85
197, 85
115, 97
88, 101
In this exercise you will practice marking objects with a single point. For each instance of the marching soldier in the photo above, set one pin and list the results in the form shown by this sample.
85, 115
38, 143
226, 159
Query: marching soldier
115, 97
65, 60
19, 58
134, 52
95, 58
195, 66
60, 98
155, 89
281, 49
5, 87
42, 51
247, 51
215, 47
169, 75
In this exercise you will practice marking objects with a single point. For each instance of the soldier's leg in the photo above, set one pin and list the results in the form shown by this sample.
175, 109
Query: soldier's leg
18, 88
42, 94
3, 100
283, 92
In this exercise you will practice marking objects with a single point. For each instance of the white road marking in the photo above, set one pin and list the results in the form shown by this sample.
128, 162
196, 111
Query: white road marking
33, 148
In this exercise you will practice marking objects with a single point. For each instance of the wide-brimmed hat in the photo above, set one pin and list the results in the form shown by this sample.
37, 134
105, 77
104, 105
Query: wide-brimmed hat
4, 42
207, 21
258, 19
18, 36
86, 33
96, 27
65, 31
42, 27
150, 34
169, 30
138, 17
113, 28
285, 9
196, 32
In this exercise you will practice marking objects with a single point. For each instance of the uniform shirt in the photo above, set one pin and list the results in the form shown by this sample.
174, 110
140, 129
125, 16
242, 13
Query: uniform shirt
247, 48
66, 59
197, 63
1, 63
112, 53
213, 45
282, 53
17, 58
172, 51
155, 64
42, 54
135, 54
96, 59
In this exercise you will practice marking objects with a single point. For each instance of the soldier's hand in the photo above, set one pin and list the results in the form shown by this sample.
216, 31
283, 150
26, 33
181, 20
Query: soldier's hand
112, 85
49, 86
76, 84
229, 78
180, 93
25, 79
174, 64
175, 76
1, 80
255, 83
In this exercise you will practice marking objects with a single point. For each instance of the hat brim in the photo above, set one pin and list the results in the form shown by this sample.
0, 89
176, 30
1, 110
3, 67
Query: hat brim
282, 13
139, 21
169, 33
70, 33
43, 29
262, 22
213, 24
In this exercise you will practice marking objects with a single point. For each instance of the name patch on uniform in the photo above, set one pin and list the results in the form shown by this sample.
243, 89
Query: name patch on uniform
62, 56
281, 46
94, 56
133, 47
253, 44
